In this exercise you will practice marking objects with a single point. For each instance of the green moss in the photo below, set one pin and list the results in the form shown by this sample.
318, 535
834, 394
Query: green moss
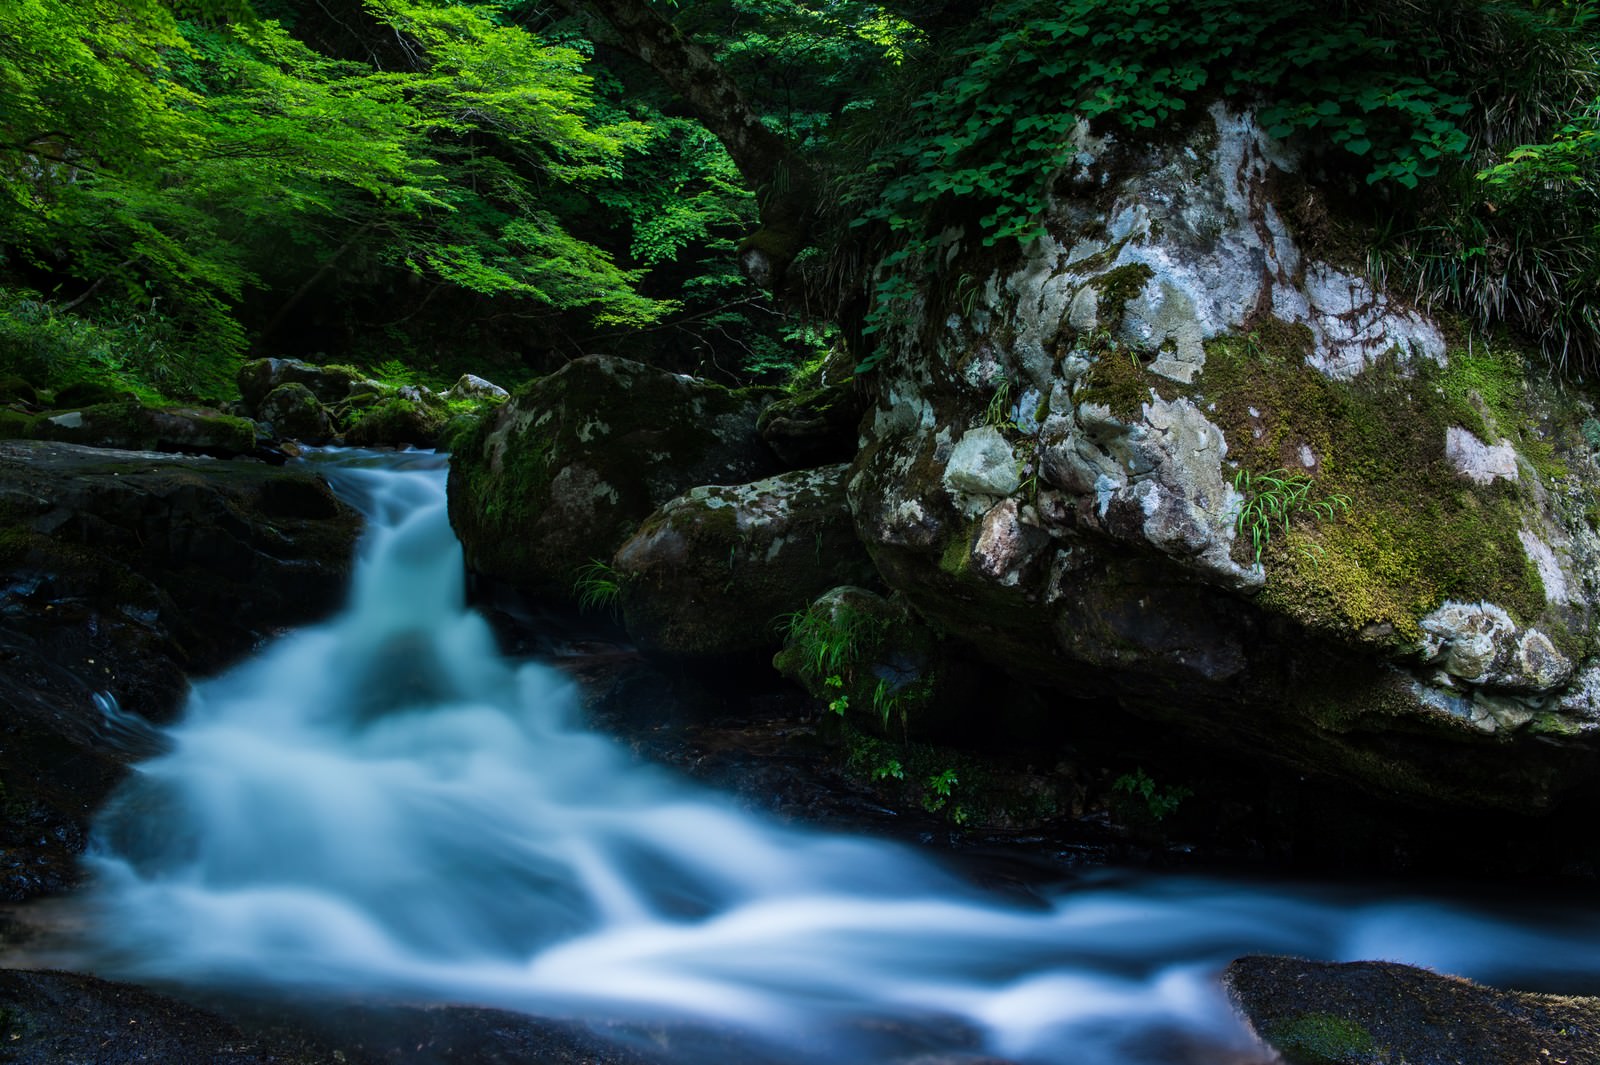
1415, 533
1322, 1039
15, 425
1115, 288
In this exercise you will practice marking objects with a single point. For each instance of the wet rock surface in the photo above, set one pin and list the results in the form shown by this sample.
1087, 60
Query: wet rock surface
567, 469
57, 1018
121, 575
1380, 1013
717, 570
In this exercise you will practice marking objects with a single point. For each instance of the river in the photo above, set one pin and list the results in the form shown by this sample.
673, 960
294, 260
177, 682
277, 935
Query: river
384, 805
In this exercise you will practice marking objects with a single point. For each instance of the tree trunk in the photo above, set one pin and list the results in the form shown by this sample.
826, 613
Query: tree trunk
783, 182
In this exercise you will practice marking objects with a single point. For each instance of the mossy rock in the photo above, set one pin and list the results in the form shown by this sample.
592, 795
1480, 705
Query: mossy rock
715, 570
1381, 1013
293, 413
877, 663
397, 421
15, 388
132, 426
814, 428
567, 469
258, 377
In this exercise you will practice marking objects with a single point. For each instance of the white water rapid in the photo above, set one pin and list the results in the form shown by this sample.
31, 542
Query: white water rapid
382, 805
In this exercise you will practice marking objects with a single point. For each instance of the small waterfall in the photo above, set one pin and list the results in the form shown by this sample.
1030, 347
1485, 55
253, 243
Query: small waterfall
382, 805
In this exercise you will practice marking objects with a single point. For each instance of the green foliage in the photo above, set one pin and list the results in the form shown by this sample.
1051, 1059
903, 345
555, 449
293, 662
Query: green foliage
831, 643
135, 350
598, 586
1392, 93
1159, 802
1272, 500
153, 159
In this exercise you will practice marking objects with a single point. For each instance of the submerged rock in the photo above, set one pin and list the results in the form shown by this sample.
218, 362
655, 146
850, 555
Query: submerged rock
121, 573
1381, 1013
564, 472
716, 570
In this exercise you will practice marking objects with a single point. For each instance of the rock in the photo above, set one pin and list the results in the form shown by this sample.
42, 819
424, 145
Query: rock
14, 388
293, 413
411, 416
476, 389
814, 428
715, 570
132, 426
565, 471
888, 667
1479, 644
330, 384
1167, 459
59, 1018
1381, 1013
121, 574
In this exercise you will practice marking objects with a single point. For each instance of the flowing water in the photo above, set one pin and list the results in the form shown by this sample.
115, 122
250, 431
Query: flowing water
382, 805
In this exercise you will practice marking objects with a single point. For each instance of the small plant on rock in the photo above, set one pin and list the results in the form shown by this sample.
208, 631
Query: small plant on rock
1160, 802
598, 586
1272, 500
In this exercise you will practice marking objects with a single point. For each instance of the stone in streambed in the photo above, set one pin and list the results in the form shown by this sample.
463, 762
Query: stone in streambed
1381, 1013
564, 472
124, 573
713, 571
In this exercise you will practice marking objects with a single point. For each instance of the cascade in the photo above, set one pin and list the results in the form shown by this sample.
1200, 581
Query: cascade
383, 805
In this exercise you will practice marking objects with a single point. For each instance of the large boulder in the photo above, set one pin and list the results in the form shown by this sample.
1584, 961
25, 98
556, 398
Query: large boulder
718, 569
1381, 1013
121, 574
1169, 457
564, 472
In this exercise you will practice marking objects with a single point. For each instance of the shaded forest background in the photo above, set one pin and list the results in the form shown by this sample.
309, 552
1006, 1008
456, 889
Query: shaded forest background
427, 187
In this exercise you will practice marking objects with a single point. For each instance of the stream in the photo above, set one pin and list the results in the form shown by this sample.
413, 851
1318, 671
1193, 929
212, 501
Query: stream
382, 805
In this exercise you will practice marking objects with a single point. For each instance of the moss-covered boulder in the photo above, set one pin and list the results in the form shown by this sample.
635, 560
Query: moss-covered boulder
1380, 1013
816, 427
291, 412
129, 425
1169, 458
565, 471
716, 570
122, 573
329, 384
405, 416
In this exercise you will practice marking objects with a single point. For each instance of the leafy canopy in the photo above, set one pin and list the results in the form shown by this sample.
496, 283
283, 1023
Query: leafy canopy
185, 162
